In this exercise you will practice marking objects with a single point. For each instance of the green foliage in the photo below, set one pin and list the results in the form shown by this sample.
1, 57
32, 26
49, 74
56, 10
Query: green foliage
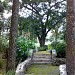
25, 26
62, 34
46, 47
4, 43
43, 69
61, 50
0, 65
43, 48
11, 72
6, 4
23, 47
41, 23
49, 47
53, 44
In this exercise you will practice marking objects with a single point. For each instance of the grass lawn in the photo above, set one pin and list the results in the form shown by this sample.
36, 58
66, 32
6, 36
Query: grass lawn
44, 69
42, 52
3, 63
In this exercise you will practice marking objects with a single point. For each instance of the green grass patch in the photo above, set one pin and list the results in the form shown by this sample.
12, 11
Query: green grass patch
3, 68
42, 52
45, 69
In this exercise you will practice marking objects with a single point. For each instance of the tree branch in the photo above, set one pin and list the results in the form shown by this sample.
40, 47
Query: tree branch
48, 31
34, 9
55, 4
28, 8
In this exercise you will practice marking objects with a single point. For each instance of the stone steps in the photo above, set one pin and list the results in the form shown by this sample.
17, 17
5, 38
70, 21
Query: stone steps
41, 62
42, 59
42, 56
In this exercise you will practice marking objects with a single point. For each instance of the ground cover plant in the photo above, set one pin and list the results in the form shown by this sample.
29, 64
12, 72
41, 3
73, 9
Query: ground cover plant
3, 66
44, 69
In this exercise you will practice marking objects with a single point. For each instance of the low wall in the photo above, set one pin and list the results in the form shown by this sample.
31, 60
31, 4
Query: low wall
59, 61
62, 69
22, 67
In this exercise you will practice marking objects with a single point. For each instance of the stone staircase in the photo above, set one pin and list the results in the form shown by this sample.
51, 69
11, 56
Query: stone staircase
41, 59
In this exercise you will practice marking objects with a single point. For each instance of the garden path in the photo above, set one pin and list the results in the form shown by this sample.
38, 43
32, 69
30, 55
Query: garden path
41, 65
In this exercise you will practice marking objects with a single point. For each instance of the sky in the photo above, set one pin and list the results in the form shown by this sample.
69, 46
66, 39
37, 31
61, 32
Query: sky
6, 14
2, 0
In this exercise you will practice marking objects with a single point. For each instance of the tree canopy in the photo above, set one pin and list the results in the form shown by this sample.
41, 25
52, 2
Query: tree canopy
44, 16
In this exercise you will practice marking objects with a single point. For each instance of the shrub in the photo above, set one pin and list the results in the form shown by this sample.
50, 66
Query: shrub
4, 43
0, 65
49, 47
42, 48
23, 47
11, 72
3, 64
46, 47
53, 44
61, 50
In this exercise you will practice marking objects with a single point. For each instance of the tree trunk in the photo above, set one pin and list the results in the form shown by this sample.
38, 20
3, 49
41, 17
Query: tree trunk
56, 34
70, 37
0, 40
42, 41
13, 36
1, 26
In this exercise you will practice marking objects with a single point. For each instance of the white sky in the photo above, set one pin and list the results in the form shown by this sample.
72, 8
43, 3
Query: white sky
6, 14
2, 0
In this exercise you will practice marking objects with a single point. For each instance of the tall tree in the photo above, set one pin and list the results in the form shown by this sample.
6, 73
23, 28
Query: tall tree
25, 26
13, 36
44, 16
70, 37
1, 22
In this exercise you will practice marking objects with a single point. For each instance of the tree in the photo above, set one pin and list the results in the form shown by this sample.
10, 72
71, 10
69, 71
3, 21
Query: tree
13, 36
4, 6
1, 23
58, 32
70, 37
23, 25
1, 8
44, 16
54, 32
26, 27
62, 34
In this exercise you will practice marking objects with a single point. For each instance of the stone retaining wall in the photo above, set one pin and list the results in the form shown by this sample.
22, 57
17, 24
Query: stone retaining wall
22, 67
62, 69
59, 61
